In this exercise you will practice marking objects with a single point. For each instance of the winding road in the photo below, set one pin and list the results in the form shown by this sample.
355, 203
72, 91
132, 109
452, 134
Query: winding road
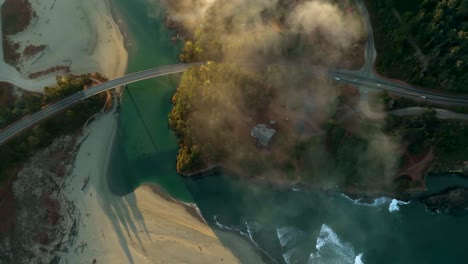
370, 52
367, 79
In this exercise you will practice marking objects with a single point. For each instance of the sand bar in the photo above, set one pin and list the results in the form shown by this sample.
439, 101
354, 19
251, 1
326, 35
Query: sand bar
141, 227
79, 34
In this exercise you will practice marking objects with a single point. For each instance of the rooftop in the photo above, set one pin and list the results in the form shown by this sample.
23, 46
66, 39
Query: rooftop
263, 134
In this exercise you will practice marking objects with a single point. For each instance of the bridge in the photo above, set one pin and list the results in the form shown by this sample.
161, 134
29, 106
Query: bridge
52, 109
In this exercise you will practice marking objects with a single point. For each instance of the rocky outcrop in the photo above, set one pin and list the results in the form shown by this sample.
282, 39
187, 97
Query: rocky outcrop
451, 201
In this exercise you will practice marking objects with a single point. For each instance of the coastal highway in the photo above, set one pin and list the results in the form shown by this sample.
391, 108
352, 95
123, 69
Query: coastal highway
364, 82
54, 108
368, 83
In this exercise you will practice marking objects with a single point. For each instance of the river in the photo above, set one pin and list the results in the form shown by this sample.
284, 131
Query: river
287, 226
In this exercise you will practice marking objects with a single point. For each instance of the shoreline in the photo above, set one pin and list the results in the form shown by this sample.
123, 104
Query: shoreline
364, 195
192, 209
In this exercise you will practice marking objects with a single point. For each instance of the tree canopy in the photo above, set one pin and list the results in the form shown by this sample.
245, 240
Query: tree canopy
423, 42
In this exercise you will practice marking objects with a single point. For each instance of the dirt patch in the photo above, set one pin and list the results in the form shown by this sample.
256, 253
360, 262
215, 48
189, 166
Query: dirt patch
32, 50
418, 165
10, 54
16, 16
65, 69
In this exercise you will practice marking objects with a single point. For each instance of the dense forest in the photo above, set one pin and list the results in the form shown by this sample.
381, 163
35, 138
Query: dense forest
276, 31
422, 42
21, 148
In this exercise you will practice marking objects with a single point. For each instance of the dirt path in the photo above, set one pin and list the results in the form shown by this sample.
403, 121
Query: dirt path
417, 171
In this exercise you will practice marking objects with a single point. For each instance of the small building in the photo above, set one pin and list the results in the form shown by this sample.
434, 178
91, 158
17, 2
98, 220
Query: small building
263, 134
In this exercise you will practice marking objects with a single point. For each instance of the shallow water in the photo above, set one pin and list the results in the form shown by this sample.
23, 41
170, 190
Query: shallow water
287, 226
135, 159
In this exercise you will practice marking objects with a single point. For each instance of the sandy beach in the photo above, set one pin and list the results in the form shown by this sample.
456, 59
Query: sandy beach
80, 35
141, 227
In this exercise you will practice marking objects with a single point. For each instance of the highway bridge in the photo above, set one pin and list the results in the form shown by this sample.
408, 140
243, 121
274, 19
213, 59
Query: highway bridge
354, 78
54, 108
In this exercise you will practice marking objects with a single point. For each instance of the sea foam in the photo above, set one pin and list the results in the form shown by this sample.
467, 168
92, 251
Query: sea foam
331, 250
375, 202
395, 205
358, 259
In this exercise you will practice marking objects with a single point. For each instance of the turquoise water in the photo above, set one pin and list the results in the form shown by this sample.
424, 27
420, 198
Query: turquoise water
287, 226
135, 159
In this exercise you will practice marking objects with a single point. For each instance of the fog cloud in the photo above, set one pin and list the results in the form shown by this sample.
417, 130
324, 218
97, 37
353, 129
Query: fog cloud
255, 33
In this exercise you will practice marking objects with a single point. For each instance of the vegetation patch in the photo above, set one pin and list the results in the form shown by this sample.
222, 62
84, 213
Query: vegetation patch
18, 150
63, 68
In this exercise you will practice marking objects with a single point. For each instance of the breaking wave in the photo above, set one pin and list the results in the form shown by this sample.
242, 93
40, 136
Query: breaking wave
358, 259
331, 250
369, 202
393, 204
290, 238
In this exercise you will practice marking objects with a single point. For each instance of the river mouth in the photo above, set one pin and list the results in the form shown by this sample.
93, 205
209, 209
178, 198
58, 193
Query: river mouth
144, 149
289, 226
